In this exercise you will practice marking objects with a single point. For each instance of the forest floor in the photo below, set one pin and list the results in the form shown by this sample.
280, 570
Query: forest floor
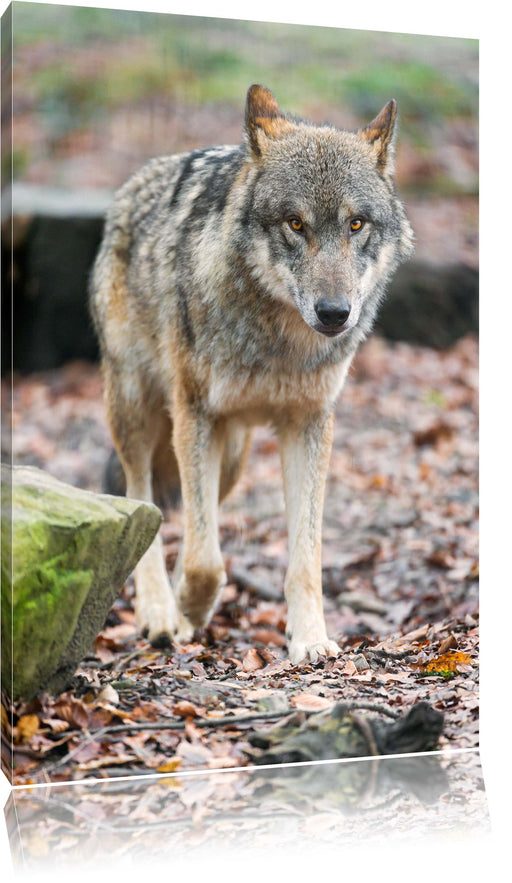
400, 577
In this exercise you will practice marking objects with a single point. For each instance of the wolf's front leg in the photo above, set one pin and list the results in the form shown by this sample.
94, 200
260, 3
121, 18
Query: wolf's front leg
156, 609
305, 451
198, 444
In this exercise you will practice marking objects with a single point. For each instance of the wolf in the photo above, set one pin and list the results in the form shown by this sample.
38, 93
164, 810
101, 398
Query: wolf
232, 287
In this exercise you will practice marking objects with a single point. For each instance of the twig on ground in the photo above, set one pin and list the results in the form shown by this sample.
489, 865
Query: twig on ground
390, 654
179, 723
372, 706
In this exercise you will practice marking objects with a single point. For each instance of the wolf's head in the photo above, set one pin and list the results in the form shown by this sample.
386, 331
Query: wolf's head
326, 227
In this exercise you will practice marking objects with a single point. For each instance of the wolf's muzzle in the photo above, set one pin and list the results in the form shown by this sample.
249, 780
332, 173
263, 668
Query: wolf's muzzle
332, 313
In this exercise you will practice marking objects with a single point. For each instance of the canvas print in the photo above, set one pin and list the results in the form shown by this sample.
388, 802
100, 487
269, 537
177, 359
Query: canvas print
240, 393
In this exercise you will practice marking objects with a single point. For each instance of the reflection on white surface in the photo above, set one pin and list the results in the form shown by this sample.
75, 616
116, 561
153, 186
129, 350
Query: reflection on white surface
300, 809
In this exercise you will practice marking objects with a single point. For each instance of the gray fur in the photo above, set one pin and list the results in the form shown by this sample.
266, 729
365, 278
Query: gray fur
206, 297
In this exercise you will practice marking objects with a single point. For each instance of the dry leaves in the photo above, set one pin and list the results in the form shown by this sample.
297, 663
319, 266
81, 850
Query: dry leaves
433, 434
450, 662
310, 702
187, 709
27, 726
256, 659
400, 556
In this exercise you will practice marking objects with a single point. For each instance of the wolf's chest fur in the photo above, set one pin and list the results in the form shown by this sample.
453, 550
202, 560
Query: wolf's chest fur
263, 396
255, 360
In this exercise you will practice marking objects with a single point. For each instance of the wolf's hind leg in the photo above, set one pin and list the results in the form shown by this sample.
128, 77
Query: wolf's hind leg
164, 468
235, 450
234, 457
165, 471
199, 574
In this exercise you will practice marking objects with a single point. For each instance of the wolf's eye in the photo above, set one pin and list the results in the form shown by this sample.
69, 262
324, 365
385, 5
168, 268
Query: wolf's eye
296, 224
356, 225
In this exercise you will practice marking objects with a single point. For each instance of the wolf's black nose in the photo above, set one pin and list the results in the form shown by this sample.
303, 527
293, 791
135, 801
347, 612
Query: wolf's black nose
332, 313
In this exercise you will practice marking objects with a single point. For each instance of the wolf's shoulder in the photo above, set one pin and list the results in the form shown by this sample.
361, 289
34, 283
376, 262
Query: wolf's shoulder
172, 174
176, 180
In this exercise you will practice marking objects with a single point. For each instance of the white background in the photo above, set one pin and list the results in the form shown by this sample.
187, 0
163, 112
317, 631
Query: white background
488, 22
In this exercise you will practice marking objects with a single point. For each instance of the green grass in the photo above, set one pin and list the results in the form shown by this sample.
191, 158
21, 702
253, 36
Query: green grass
420, 90
205, 60
434, 397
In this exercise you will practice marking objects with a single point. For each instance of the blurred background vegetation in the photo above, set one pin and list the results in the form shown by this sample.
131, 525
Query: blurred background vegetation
97, 92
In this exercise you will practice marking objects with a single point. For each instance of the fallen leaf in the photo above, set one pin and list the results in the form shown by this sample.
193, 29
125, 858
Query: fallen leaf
433, 434
90, 750
26, 727
449, 662
379, 481
267, 655
170, 766
449, 643
103, 651
194, 754
145, 711
269, 636
72, 710
193, 733
118, 633
186, 709
108, 760
137, 739
252, 660
442, 558
425, 470
108, 694
112, 639
103, 714
270, 616
55, 724
6, 723
311, 702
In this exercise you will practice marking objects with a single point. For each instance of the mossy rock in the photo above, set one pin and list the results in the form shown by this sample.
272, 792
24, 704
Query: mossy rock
66, 553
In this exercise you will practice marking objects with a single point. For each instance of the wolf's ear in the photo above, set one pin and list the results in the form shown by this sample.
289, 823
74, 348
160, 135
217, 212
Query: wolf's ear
380, 135
263, 119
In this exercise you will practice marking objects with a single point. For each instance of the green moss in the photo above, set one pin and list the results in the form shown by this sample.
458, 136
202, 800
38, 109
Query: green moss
71, 552
45, 618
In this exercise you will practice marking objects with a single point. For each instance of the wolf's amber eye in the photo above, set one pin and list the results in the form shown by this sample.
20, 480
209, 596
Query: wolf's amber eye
296, 224
356, 225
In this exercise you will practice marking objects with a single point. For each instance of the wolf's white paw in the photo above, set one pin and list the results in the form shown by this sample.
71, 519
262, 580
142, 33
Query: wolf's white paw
300, 651
185, 629
159, 622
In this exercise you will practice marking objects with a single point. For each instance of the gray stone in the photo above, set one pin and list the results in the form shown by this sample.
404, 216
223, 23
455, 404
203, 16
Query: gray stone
66, 553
